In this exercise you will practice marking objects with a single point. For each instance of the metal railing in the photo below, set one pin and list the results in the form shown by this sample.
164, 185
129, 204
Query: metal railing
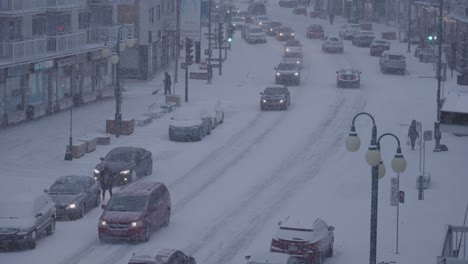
106, 2
22, 50
454, 247
99, 34
66, 43
8, 6
58, 4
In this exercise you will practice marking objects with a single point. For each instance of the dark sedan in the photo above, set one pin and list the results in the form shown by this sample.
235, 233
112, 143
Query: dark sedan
126, 164
284, 33
272, 27
315, 31
275, 97
74, 195
348, 78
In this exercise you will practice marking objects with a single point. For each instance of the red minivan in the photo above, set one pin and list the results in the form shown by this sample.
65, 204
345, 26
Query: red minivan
135, 211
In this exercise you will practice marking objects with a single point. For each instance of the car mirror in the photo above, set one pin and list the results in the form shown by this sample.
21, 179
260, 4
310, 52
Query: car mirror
331, 228
276, 69
261, 93
360, 72
103, 206
101, 158
336, 71
46, 191
38, 214
279, 223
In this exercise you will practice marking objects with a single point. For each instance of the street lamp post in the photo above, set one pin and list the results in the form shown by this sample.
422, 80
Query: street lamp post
437, 132
210, 70
115, 60
373, 158
409, 27
69, 153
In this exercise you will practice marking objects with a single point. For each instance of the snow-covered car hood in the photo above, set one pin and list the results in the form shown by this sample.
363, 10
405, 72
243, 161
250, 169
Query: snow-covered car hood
65, 199
299, 236
273, 97
121, 217
17, 223
115, 167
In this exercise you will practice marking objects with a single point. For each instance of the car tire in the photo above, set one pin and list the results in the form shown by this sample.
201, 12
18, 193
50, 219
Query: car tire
168, 219
149, 171
81, 213
330, 252
147, 236
222, 119
31, 244
209, 130
200, 136
50, 230
97, 201
133, 176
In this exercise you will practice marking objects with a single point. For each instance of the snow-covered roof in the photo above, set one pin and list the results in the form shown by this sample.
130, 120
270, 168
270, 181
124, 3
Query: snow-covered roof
302, 229
456, 101
156, 256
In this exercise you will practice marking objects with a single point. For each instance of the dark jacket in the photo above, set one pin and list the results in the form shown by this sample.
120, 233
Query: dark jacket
167, 80
105, 178
413, 133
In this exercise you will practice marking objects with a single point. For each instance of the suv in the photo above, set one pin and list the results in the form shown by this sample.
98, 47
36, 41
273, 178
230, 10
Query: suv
393, 62
378, 46
275, 97
23, 220
254, 34
363, 38
293, 45
288, 73
271, 27
348, 30
135, 211
332, 43
294, 57
161, 256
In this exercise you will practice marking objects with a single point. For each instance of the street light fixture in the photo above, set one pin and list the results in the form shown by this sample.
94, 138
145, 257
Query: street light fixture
120, 46
374, 159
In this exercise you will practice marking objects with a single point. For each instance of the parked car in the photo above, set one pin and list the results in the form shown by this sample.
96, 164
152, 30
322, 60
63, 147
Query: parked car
238, 22
393, 62
74, 195
135, 211
254, 34
288, 73
213, 109
363, 38
315, 31
275, 97
260, 20
348, 30
161, 256
271, 27
190, 124
272, 258
332, 43
378, 46
348, 78
288, 3
126, 164
293, 45
294, 57
309, 239
23, 219
284, 33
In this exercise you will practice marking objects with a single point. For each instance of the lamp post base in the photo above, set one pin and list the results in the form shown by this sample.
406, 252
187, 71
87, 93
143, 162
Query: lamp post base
68, 156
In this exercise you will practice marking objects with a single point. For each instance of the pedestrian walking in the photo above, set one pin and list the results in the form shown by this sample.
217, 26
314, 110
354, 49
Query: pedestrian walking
167, 83
331, 16
413, 133
105, 181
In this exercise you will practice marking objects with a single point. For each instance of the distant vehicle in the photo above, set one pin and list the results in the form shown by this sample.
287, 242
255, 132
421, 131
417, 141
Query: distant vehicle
288, 73
393, 62
348, 78
315, 31
363, 38
332, 43
245, 15
254, 34
275, 97
74, 195
378, 46
293, 45
260, 21
271, 27
348, 30
353, 19
257, 9
272, 258
135, 211
294, 57
190, 125
284, 33
24, 219
308, 239
288, 3
161, 256
238, 22
214, 110
126, 164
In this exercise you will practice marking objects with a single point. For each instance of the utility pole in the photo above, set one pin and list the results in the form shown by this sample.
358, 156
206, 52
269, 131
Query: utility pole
437, 133
220, 43
409, 27
210, 70
178, 43
188, 62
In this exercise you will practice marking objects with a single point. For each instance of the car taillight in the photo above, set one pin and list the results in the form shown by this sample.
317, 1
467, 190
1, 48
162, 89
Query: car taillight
310, 248
275, 243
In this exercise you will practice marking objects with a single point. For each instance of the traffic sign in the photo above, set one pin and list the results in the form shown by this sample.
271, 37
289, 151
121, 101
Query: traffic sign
393, 191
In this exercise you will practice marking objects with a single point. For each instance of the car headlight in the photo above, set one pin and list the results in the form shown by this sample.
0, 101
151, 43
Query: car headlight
281, 101
296, 73
287, 49
271, 29
71, 206
22, 233
125, 172
136, 224
264, 100
298, 62
278, 74
281, 34
96, 171
234, 25
102, 223
292, 34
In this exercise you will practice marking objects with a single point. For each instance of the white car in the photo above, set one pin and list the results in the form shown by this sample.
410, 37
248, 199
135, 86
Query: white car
190, 124
260, 20
293, 57
254, 34
293, 45
271, 258
214, 110
332, 43
347, 31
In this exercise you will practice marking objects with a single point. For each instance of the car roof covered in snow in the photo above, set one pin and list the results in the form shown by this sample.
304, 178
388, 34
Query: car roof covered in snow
156, 256
456, 102
302, 229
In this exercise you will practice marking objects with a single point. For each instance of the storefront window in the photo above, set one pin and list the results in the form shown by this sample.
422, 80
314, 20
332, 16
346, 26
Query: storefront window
2, 99
14, 94
38, 84
63, 83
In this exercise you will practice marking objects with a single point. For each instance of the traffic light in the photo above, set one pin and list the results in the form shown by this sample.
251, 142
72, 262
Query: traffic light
189, 51
197, 52
230, 33
220, 33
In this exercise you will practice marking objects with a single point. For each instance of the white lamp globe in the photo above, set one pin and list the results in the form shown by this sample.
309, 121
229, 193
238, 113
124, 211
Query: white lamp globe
131, 42
382, 170
114, 59
106, 52
122, 46
353, 142
373, 155
398, 162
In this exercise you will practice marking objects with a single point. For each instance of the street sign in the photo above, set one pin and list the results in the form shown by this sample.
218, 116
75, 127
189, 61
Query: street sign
427, 135
402, 196
394, 191
183, 65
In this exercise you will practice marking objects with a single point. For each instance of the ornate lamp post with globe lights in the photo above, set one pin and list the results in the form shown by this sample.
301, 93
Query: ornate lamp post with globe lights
373, 158
120, 46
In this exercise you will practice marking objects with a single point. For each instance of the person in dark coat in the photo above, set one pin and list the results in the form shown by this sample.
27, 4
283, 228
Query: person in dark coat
331, 16
167, 83
413, 133
105, 181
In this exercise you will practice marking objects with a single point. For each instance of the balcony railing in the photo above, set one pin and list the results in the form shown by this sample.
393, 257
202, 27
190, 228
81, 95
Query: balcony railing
16, 6
99, 34
22, 50
111, 2
66, 43
63, 4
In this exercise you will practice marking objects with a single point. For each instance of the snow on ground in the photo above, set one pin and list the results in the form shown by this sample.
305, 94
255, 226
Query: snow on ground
230, 190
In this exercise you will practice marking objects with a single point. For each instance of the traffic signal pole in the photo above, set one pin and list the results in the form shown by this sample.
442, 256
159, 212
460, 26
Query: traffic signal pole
186, 68
220, 43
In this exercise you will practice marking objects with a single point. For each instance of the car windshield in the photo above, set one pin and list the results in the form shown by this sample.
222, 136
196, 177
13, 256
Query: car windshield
296, 229
293, 43
274, 24
127, 203
334, 39
256, 30
120, 156
237, 19
274, 91
316, 27
285, 30
66, 187
380, 42
15, 209
292, 55
395, 57
287, 66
